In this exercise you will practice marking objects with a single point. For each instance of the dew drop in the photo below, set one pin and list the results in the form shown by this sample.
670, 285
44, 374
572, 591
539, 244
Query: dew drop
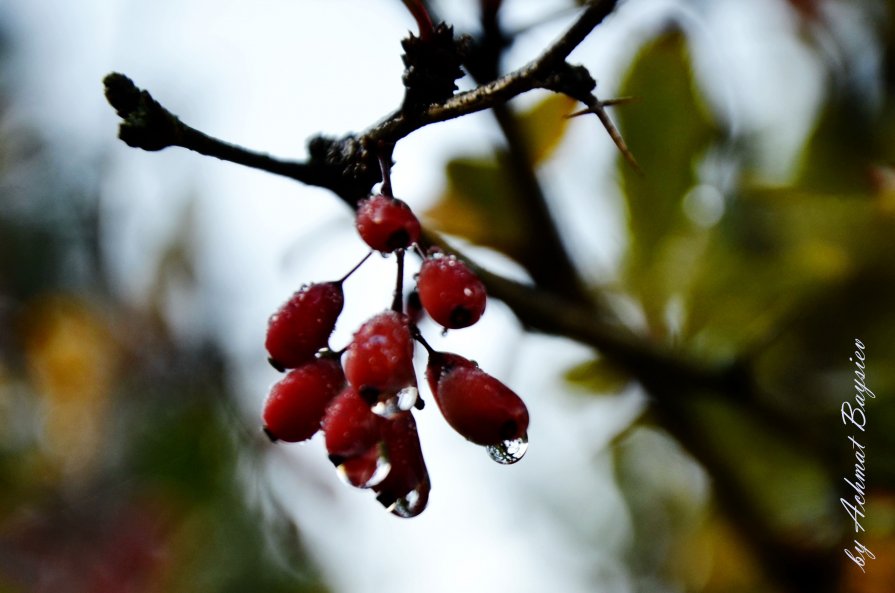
383, 467
407, 398
509, 451
411, 504
387, 408
354, 473
404, 400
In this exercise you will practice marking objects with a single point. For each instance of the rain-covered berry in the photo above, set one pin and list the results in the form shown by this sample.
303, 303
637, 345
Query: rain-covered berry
450, 292
303, 324
405, 490
379, 360
351, 429
296, 404
387, 224
478, 406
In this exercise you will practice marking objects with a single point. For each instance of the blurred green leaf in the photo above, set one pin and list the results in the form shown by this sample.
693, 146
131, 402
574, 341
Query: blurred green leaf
774, 249
842, 147
598, 376
544, 125
667, 131
777, 470
478, 204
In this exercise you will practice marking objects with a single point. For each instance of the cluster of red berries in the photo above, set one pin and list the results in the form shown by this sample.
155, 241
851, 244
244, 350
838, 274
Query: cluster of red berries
363, 396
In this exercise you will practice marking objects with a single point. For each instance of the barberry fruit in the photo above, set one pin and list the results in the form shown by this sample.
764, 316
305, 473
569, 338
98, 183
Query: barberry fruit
296, 404
387, 224
405, 490
379, 361
349, 426
303, 324
478, 406
450, 292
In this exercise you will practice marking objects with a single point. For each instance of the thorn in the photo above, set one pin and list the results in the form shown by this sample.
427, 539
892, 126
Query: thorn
620, 101
607, 103
595, 106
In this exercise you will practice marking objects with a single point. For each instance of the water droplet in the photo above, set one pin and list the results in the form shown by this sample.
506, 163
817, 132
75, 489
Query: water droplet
509, 451
386, 408
396, 403
407, 397
362, 472
383, 467
411, 504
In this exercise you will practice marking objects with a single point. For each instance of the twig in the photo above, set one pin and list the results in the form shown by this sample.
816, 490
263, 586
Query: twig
150, 126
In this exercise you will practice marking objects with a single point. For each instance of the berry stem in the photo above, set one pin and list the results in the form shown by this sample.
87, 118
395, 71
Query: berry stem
398, 300
385, 164
354, 269
418, 336
419, 251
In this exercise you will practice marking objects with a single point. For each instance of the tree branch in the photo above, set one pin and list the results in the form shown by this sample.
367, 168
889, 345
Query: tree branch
148, 125
346, 166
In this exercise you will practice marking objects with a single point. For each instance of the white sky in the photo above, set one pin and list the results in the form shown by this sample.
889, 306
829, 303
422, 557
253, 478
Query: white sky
252, 73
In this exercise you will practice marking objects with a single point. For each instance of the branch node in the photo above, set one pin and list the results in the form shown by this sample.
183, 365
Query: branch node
346, 165
572, 80
145, 123
431, 65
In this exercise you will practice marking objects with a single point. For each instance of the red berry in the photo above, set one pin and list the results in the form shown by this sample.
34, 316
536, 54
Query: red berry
296, 404
303, 324
350, 427
474, 403
379, 360
405, 490
450, 292
387, 224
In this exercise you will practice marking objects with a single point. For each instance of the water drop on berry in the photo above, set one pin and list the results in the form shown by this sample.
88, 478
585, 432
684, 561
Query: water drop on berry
407, 397
402, 401
509, 451
363, 472
411, 504
387, 408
